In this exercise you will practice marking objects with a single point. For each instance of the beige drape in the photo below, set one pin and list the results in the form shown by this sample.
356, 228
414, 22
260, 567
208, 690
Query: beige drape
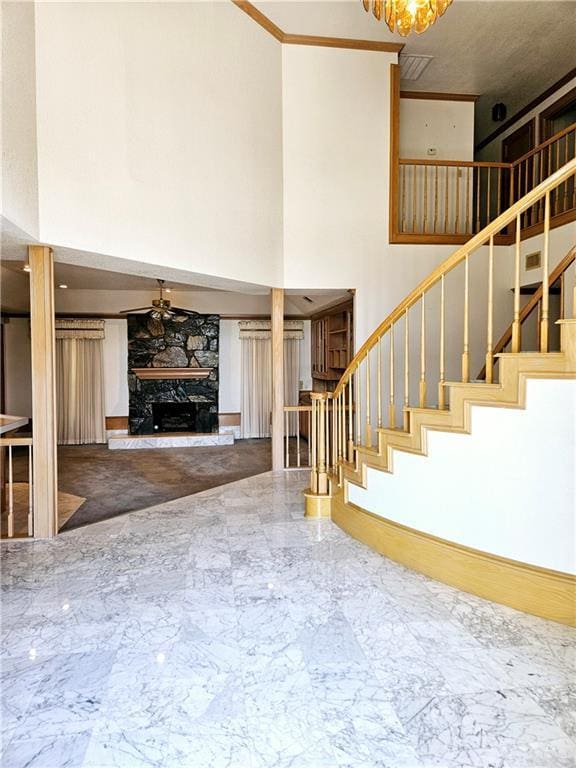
291, 379
256, 384
256, 387
80, 391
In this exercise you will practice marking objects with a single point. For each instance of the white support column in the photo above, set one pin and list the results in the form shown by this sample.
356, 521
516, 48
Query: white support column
277, 378
45, 478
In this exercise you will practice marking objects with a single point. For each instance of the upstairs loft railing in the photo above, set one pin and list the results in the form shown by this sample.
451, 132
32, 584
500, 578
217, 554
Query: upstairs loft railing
448, 201
443, 329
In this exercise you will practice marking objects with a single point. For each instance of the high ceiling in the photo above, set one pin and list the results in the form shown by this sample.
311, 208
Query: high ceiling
502, 50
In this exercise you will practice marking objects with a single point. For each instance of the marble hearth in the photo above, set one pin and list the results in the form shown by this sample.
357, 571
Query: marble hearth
168, 440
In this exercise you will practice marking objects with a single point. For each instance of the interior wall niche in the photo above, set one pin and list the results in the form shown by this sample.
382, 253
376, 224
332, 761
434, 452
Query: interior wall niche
184, 341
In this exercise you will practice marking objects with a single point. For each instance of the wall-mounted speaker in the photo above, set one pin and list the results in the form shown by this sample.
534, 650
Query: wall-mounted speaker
499, 112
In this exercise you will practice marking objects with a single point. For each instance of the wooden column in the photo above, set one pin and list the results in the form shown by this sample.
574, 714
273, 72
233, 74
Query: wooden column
277, 378
43, 391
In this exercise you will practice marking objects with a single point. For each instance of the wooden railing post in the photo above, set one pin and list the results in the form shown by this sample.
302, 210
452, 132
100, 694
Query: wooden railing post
42, 325
489, 364
317, 497
516, 322
545, 260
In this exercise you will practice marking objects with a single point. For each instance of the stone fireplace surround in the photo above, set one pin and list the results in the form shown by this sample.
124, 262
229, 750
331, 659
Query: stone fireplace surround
182, 342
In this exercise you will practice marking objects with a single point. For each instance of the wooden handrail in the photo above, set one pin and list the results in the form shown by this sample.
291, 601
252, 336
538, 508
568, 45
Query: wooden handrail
6, 442
529, 307
489, 164
297, 408
456, 258
453, 163
544, 144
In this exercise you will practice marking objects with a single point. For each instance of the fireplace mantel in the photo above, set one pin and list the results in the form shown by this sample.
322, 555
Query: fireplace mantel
172, 373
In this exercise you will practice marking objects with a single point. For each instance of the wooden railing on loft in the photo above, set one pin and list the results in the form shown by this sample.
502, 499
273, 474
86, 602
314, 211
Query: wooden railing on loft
532, 168
398, 369
448, 201
17, 517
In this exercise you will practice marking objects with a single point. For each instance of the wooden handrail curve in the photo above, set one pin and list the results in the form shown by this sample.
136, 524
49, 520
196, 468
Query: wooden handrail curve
531, 305
477, 241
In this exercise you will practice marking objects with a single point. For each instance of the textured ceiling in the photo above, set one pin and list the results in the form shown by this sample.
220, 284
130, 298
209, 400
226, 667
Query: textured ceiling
502, 50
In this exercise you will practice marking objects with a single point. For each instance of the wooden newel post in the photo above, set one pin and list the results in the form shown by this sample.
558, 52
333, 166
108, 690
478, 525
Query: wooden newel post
318, 497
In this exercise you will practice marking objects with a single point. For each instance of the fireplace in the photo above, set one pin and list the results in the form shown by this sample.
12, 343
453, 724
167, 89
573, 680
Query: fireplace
184, 417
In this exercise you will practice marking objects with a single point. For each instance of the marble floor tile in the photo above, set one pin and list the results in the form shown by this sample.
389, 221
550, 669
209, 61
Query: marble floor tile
144, 748
225, 630
467, 730
61, 752
560, 704
289, 741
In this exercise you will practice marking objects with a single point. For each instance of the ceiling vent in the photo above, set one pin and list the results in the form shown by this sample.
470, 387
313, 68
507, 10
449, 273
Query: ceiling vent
412, 66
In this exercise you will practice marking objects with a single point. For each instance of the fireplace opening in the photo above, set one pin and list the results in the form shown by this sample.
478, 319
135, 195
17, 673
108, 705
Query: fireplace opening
183, 417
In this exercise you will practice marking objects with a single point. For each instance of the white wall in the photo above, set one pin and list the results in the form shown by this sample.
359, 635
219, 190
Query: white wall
336, 148
479, 490
19, 188
230, 367
562, 240
17, 366
447, 126
159, 135
493, 151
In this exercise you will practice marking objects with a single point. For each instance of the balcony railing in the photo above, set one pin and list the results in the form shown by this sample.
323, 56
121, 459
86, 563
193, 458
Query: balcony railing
449, 201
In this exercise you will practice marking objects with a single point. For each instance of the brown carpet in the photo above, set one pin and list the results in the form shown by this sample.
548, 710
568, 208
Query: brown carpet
115, 482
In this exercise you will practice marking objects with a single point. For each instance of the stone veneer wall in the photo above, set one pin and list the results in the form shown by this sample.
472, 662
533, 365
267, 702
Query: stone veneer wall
182, 342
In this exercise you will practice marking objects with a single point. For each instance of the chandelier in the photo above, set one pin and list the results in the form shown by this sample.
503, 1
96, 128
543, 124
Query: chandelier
407, 15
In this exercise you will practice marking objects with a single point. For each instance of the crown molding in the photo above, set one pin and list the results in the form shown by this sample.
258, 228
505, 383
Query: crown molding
314, 40
260, 18
435, 96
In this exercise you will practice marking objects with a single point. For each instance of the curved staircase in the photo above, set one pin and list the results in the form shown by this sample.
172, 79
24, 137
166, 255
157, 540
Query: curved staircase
381, 409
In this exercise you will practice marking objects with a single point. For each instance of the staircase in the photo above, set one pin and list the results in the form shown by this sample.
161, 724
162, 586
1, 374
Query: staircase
411, 379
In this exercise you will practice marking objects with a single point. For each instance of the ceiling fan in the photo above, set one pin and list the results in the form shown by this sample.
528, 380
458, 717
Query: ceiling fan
161, 308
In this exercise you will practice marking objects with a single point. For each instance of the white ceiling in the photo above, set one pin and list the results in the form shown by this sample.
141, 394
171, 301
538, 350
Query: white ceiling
104, 292
502, 50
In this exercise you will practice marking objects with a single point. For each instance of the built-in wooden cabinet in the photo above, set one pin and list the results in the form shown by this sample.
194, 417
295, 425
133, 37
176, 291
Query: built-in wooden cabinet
332, 345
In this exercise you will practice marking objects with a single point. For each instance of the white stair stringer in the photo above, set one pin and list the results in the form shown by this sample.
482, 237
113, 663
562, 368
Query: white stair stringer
508, 487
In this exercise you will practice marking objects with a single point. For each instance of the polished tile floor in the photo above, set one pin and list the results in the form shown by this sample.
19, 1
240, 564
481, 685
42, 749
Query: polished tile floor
223, 630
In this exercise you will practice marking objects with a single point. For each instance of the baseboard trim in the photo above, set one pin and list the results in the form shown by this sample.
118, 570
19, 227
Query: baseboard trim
117, 422
538, 591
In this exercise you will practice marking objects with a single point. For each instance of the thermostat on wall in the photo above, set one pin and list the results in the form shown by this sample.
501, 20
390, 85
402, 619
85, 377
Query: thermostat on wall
431, 151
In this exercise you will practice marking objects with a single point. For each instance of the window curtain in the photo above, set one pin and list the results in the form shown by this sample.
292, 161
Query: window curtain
256, 387
291, 380
79, 389
256, 376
